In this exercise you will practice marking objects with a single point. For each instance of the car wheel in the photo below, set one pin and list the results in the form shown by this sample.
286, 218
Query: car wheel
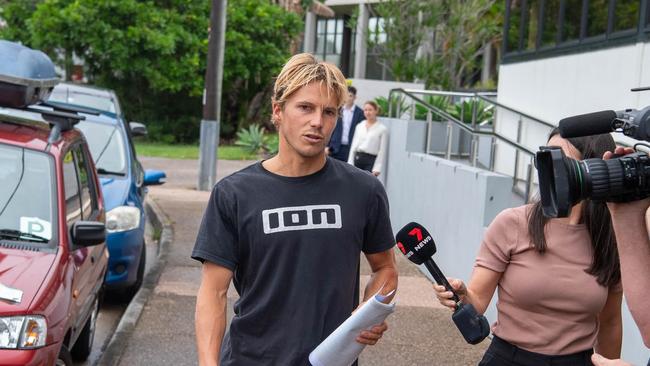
64, 358
83, 346
133, 289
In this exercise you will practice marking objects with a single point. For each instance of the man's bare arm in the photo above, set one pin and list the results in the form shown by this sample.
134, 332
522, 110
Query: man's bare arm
384, 278
631, 223
633, 244
210, 317
610, 331
384, 273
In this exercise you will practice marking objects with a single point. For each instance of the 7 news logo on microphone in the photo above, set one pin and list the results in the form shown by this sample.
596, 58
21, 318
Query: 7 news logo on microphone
417, 233
416, 243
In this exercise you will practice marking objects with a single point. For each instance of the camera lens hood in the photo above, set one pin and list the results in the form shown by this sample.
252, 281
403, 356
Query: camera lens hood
554, 185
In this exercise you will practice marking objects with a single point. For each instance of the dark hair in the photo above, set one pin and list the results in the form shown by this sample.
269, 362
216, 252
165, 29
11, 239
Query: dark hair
352, 90
595, 215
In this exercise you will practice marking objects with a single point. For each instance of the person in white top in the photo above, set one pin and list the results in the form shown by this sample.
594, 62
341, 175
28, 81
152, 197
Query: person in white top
370, 143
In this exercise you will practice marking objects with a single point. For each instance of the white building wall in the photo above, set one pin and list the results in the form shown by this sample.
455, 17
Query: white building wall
557, 87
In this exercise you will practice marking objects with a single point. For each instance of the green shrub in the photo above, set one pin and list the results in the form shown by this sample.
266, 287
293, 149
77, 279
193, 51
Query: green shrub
255, 141
271, 144
395, 101
462, 111
439, 101
251, 139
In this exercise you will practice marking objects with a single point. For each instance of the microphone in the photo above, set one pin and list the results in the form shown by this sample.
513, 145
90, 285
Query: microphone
421, 248
415, 242
588, 124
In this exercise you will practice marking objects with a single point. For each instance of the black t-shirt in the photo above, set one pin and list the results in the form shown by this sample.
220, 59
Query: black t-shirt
293, 245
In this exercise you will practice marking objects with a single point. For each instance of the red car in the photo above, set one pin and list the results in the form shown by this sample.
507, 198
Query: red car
52, 242
53, 255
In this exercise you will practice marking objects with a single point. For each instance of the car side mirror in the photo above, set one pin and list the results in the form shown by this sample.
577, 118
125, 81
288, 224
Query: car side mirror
88, 233
154, 177
138, 129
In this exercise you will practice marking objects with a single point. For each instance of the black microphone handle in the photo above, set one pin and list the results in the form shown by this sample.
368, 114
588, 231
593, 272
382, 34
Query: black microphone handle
440, 279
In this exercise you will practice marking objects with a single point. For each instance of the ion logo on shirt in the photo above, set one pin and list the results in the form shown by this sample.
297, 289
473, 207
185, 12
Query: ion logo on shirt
311, 217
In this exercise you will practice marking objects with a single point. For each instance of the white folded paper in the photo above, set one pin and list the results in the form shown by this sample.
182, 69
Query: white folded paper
10, 294
341, 348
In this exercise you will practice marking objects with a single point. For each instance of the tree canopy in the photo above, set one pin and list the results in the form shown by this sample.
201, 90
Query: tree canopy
436, 41
153, 53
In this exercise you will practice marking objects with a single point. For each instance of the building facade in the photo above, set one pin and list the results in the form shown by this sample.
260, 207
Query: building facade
334, 39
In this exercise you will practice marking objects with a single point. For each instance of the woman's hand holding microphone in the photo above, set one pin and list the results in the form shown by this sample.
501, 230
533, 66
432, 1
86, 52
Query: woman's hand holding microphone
445, 297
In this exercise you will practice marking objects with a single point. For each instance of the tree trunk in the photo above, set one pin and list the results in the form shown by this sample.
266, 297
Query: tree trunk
68, 63
258, 110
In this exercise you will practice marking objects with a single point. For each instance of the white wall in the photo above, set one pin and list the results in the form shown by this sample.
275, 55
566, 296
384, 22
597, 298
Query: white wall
455, 202
556, 87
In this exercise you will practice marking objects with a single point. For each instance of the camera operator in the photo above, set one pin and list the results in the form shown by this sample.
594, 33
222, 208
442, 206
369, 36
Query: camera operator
632, 237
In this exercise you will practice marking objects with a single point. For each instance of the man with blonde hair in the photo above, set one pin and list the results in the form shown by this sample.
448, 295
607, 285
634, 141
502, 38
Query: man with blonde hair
289, 237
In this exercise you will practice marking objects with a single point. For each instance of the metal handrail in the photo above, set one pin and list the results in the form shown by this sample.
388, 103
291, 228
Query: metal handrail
444, 92
458, 123
516, 111
481, 95
473, 131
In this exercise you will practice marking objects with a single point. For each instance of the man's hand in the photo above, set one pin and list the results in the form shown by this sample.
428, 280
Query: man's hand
599, 360
370, 337
619, 151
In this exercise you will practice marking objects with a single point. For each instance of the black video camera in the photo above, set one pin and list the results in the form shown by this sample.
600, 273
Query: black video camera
563, 181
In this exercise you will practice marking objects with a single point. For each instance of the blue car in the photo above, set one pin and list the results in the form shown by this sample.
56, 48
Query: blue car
122, 179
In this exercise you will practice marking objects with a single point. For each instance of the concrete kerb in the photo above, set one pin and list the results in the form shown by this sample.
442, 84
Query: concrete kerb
125, 328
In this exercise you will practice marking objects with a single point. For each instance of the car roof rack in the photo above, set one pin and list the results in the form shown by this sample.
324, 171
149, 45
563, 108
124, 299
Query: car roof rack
62, 117
27, 78
59, 120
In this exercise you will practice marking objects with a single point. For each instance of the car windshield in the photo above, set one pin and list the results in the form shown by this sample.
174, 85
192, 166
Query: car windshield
106, 146
27, 206
101, 103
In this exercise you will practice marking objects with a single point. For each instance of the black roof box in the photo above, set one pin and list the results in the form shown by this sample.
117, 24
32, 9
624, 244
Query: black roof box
26, 76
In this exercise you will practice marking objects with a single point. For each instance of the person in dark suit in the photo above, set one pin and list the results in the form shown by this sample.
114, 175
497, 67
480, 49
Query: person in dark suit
349, 116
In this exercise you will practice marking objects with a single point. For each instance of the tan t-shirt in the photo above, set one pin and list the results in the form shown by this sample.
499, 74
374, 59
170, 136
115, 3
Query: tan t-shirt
547, 302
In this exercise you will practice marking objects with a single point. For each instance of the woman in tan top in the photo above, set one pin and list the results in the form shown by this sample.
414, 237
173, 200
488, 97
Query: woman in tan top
558, 280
